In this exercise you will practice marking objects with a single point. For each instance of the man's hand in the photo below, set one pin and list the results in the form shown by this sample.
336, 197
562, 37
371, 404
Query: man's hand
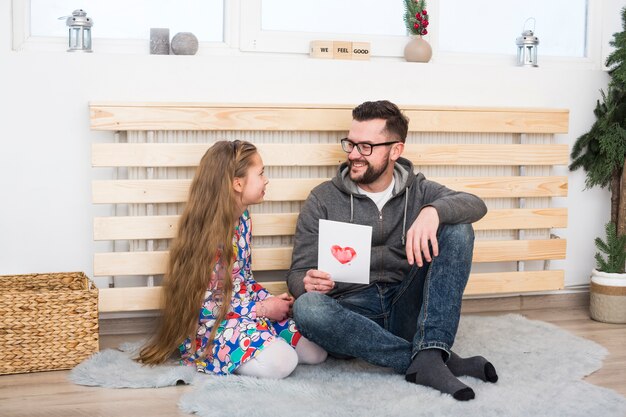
422, 231
318, 281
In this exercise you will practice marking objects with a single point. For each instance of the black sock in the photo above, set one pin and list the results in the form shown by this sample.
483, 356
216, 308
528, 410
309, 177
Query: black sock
429, 369
476, 366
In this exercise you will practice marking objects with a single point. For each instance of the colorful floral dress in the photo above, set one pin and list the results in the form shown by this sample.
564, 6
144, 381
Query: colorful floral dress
242, 334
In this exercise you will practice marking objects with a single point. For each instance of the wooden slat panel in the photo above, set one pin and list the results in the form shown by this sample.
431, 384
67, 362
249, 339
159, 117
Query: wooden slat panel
181, 117
507, 187
506, 219
514, 282
175, 191
468, 120
149, 298
522, 250
284, 224
129, 299
276, 287
183, 154
198, 116
140, 191
279, 224
130, 263
135, 227
147, 154
487, 155
273, 259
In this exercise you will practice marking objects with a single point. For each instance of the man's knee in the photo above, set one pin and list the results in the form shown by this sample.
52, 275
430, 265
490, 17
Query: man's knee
457, 234
310, 310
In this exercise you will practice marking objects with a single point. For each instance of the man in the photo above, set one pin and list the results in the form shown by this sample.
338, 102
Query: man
422, 244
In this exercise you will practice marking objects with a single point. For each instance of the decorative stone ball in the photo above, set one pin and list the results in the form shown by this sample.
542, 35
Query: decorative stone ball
184, 43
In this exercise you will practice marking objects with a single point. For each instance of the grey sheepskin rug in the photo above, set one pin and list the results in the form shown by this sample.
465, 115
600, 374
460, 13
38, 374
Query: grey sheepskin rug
115, 369
540, 367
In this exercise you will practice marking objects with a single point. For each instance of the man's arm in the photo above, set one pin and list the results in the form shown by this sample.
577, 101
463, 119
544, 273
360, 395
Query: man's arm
439, 205
304, 255
453, 207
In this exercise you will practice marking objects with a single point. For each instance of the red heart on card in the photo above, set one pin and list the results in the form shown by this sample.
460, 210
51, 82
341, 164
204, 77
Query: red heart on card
343, 255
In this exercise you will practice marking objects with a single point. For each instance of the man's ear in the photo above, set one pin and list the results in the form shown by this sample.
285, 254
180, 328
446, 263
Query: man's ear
396, 151
238, 184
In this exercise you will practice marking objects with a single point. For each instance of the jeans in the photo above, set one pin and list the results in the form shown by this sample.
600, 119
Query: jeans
387, 324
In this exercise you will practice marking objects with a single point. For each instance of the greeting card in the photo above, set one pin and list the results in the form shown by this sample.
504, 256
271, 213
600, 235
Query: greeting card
344, 251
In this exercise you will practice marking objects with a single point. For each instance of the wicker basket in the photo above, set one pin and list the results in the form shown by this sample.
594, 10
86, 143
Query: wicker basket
47, 321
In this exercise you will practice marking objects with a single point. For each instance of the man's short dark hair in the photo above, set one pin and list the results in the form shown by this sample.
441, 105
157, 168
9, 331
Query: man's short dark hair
396, 123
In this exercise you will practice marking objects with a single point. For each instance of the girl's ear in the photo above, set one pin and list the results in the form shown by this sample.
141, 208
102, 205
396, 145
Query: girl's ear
238, 184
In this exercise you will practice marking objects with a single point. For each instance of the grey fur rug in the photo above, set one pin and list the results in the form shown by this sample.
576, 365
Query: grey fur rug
540, 368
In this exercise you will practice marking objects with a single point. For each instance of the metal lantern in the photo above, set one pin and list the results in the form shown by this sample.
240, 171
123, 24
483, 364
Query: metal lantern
79, 31
527, 47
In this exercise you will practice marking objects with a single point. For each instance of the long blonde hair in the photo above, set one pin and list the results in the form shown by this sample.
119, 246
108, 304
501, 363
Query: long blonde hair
205, 236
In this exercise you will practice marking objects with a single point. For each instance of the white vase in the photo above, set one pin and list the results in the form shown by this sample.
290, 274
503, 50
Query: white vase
418, 50
607, 297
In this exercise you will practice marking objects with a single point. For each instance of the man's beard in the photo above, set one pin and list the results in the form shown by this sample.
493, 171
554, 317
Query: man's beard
370, 174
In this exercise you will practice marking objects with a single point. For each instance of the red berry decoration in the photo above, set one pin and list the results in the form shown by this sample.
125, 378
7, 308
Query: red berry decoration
424, 12
418, 16
424, 32
416, 25
425, 23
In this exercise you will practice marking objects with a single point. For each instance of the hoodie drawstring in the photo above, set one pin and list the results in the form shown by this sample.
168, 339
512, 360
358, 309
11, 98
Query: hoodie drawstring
351, 208
406, 202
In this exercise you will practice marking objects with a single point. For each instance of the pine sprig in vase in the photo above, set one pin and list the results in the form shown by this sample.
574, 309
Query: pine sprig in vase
416, 17
416, 20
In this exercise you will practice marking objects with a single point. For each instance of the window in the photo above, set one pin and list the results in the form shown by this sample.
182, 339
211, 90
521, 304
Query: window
124, 19
290, 25
457, 26
459, 29
491, 27
365, 17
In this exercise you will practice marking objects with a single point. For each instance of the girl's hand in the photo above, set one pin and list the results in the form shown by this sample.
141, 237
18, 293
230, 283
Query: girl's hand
290, 299
274, 308
286, 297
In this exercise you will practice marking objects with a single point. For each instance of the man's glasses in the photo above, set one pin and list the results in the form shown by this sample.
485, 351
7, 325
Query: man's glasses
363, 148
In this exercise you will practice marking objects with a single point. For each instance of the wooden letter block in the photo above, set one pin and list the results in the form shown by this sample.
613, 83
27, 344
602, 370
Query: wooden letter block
342, 50
361, 51
321, 49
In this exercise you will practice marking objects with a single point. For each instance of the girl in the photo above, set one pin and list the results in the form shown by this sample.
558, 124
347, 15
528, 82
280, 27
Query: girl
209, 291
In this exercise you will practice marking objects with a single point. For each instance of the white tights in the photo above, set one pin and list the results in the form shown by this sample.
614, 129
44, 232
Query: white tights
279, 359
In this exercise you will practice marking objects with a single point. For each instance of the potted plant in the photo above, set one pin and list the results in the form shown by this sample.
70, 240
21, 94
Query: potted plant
416, 20
601, 152
607, 295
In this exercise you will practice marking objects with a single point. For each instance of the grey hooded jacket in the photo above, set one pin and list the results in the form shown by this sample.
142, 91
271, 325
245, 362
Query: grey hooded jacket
339, 200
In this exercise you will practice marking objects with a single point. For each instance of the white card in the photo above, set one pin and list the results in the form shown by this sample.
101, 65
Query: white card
344, 251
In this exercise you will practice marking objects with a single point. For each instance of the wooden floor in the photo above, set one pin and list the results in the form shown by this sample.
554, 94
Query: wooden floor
50, 394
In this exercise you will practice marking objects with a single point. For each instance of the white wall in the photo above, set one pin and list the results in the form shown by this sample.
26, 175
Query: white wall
46, 210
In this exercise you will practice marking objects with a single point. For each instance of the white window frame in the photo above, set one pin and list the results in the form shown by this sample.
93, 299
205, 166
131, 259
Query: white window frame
23, 41
243, 35
254, 39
